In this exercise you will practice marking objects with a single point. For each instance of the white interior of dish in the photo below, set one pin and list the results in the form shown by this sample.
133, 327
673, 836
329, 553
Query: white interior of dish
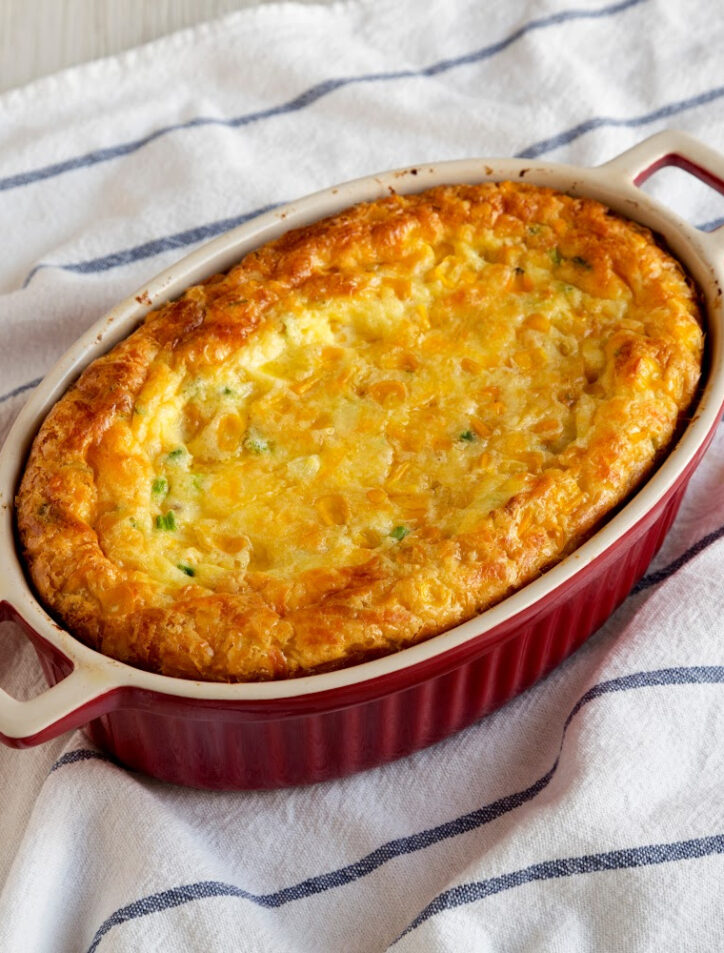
611, 184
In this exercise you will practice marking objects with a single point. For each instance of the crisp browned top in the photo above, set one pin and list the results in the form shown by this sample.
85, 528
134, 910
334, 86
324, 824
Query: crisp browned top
363, 434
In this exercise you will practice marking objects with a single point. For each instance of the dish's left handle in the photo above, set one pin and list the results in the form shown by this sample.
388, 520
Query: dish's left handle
84, 694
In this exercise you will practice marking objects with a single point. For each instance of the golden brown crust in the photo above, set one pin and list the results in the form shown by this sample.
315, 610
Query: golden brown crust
598, 351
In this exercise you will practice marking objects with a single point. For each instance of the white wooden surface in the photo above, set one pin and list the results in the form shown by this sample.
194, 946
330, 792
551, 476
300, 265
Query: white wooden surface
38, 37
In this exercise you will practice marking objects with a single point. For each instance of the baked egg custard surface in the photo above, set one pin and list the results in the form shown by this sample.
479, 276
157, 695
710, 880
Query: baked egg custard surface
365, 433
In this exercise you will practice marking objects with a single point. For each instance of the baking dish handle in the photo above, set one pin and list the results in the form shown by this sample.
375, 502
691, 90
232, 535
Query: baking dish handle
667, 148
78, 698
672, 148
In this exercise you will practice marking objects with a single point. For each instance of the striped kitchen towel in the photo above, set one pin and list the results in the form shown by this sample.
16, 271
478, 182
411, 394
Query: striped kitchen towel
587, 815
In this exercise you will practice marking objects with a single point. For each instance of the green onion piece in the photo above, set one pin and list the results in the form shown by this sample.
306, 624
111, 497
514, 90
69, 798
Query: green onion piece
166, 521
556, 256
582, 262
227, 392
467, 435
256, 444
186, 569
159, 487
534, 229
399, 532
175, 454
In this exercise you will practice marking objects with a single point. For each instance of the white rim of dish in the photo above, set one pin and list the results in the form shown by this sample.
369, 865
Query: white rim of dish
613, 183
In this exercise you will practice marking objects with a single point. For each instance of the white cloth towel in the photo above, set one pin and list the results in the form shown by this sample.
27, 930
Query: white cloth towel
587, 815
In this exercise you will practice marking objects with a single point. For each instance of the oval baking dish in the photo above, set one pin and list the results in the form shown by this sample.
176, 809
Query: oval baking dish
270, 734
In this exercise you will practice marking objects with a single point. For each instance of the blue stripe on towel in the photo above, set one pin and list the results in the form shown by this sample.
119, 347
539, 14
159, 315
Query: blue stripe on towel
633, 122
309, 96
189, 236
654, 578
192, 235
176, 896
80, 754
623, 859
20, 390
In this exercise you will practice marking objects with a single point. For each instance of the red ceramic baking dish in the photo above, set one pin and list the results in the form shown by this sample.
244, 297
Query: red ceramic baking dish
309, 729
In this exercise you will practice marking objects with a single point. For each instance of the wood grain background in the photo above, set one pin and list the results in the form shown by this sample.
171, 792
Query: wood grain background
38, 37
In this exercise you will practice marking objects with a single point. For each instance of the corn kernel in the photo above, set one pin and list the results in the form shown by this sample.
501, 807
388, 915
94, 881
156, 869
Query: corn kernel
491, 393
382, 391
537, 322
230, 432
523, 359
470, 366
480, 428
333, 508
232, 544
407, 362
193, 420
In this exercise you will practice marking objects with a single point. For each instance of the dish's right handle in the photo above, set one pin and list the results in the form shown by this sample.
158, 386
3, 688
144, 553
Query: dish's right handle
673, 148
79, 697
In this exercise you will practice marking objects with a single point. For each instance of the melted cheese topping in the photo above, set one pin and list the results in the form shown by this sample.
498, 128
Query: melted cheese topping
490, 368
431, 395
